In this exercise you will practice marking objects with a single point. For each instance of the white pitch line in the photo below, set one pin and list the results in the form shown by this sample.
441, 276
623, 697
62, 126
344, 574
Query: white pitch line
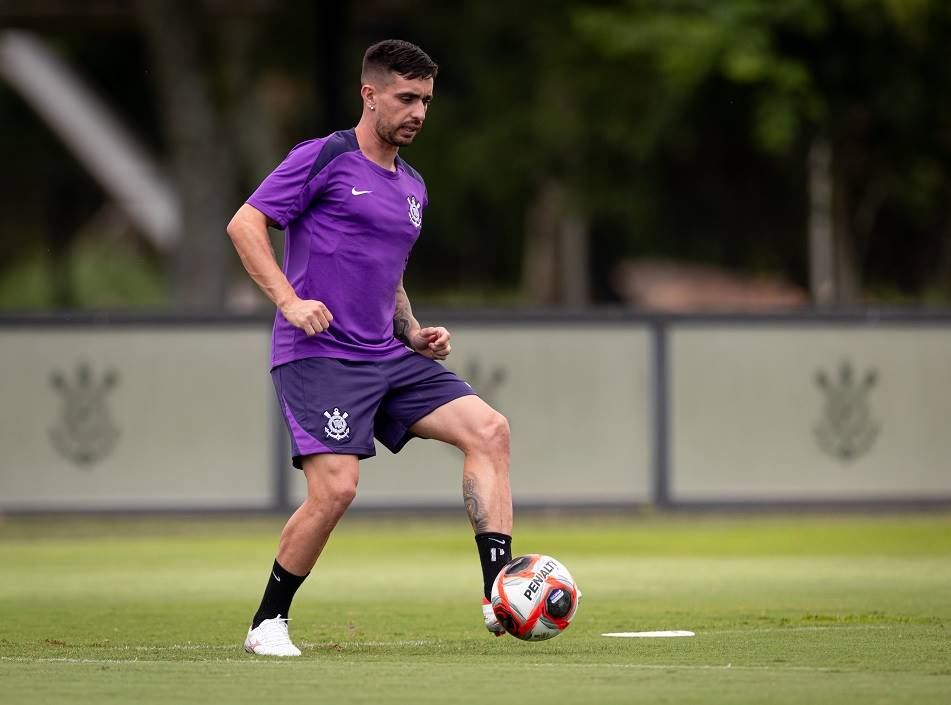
806, 629
93, 661
132, 661
649, 635
633, 666
696, 667
430, 642
402, 642
237, 647
755, 630
171, 647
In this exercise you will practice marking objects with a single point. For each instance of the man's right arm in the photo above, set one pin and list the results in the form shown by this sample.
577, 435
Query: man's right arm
248, 232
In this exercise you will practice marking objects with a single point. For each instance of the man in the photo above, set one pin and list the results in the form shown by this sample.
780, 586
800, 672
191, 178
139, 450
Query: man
349, 360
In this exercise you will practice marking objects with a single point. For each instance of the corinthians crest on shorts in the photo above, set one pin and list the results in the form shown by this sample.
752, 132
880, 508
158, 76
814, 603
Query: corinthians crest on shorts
336, 427
415, 211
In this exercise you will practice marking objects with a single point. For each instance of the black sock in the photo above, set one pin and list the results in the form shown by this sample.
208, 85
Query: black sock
278, 594
495, 550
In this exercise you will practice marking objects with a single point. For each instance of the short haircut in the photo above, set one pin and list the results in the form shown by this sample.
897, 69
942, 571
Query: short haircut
403, 58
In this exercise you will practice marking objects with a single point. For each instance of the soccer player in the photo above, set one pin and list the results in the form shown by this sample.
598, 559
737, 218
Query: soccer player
349, 360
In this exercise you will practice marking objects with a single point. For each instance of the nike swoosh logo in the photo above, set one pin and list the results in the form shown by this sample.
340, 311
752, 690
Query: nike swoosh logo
496, 540
275, 576
358, 193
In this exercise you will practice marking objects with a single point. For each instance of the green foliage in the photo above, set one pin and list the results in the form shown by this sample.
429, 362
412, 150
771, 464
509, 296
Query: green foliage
99, 275
678, 128
868, 75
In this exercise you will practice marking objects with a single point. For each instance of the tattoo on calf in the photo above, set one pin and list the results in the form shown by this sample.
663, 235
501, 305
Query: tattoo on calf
479, 521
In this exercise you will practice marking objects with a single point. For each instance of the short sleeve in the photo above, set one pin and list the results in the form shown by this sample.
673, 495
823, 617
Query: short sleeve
290, 188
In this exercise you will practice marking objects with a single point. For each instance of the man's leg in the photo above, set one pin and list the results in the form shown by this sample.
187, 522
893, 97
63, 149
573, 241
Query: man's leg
482, 434
331, 487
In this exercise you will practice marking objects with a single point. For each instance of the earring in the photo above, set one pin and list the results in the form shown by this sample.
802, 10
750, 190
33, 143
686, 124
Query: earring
372, 107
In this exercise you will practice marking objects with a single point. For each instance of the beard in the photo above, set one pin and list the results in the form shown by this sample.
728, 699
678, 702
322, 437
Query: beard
397, 135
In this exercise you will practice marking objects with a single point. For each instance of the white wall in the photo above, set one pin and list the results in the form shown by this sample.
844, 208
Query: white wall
749, 420
576, 397
187, 421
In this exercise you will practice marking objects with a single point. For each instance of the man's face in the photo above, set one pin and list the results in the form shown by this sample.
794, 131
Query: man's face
401, 105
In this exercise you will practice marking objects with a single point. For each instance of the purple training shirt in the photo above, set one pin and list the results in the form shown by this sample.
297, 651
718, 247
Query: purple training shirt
349, 226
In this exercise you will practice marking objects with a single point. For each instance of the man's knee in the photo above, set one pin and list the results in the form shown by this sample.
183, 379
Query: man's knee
343, 491
332, 478
492, 435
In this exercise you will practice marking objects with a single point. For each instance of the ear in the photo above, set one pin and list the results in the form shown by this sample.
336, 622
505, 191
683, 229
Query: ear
368, 94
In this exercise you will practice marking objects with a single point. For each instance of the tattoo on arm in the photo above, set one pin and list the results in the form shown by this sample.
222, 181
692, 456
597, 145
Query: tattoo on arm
480, 523
403, 317
401, 329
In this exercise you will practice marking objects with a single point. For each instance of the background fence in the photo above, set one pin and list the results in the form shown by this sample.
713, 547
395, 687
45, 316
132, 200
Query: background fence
139, 413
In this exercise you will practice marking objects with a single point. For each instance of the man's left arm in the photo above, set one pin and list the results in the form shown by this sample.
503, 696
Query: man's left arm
431, 342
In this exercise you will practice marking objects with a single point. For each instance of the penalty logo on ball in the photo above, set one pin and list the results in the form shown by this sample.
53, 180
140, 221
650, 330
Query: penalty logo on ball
534, 597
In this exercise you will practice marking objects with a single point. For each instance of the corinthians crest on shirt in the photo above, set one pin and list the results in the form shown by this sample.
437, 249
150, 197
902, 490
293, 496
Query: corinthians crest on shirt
415, 211
336, 427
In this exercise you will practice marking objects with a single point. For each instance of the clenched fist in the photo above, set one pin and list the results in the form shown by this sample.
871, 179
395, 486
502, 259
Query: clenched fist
310, 316
431, 342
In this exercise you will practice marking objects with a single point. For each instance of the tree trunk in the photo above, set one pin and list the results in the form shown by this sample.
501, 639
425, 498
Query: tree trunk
833, 272
252, 124
821, 259
539, 263
573, 262
942, 281
200, 156
843, 235
555, 256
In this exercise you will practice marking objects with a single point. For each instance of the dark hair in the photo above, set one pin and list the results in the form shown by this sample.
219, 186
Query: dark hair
406, 59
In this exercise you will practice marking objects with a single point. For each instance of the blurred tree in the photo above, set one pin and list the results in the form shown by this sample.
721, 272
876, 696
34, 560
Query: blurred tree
565, 135
201, 154
221, 134
508, 147
853, 79
549, 157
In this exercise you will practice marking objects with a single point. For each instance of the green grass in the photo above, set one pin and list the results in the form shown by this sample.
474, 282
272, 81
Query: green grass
786, 610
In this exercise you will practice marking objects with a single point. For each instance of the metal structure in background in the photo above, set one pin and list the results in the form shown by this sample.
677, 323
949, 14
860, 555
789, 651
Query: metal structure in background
94, 134
608, 409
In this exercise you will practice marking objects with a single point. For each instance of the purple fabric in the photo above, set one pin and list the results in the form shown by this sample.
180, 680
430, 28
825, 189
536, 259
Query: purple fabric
349, 228
302, 442
339, 406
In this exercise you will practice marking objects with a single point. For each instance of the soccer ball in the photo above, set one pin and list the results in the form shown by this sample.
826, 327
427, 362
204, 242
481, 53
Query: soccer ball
534, 597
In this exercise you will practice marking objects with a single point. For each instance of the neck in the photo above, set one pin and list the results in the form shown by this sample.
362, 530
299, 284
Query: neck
373, 148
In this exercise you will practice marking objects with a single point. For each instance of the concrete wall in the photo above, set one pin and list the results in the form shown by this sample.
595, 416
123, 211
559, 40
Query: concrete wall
137, 417
605, 410
577, 400
809, 413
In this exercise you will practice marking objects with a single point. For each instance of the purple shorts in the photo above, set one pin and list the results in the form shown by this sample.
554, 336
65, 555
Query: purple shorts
338, 406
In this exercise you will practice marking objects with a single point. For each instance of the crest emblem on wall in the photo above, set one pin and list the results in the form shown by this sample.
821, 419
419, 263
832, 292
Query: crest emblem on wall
847, 429
85, 432
415, 211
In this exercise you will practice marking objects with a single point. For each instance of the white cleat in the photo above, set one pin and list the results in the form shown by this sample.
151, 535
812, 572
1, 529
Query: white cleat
491, 621
270, 638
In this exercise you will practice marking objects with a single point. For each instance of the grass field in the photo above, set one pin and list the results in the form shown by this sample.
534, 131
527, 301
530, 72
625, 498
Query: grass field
788, 609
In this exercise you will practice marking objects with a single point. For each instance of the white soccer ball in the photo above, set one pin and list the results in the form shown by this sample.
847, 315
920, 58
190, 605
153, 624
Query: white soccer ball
534, 597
